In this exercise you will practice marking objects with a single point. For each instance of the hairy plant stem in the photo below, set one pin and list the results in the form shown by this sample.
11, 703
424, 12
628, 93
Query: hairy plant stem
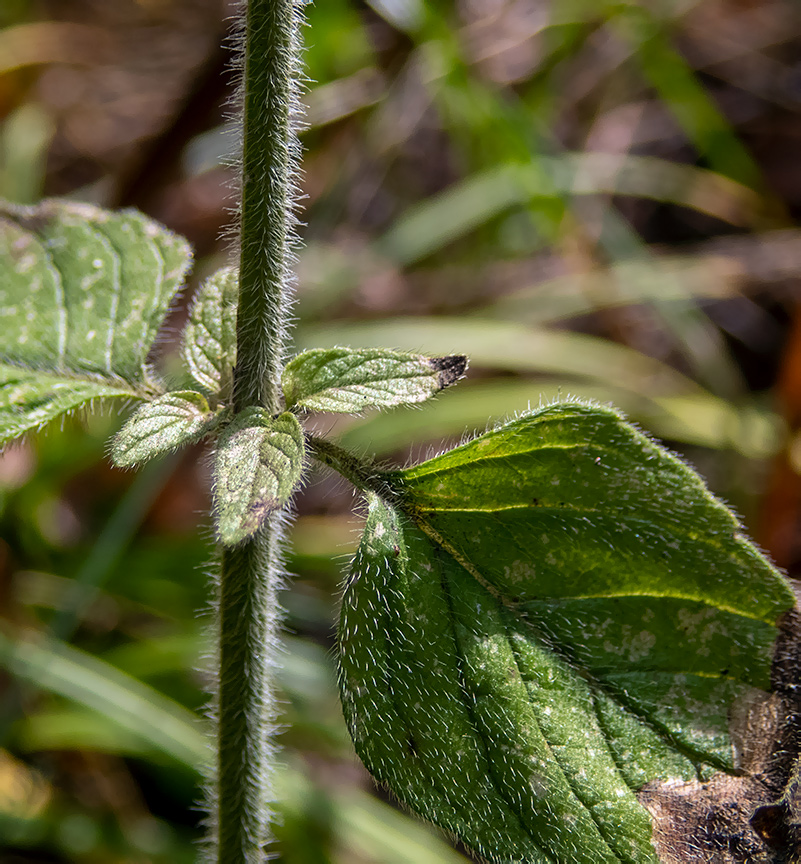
248, 614
363, 474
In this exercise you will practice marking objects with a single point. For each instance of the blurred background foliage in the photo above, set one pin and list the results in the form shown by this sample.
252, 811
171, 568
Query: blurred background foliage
589, 198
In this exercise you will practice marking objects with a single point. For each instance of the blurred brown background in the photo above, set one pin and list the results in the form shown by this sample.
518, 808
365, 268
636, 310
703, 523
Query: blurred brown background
588, 198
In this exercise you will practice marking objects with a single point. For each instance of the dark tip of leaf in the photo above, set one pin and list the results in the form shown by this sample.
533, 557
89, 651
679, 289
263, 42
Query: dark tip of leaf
450, 368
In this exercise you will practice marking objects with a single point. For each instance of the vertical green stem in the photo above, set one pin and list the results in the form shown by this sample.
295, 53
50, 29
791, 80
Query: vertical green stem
268, 163
248, 614
248, 618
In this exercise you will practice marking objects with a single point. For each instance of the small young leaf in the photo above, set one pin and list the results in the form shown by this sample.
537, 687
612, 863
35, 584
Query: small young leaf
209, 347
84, 289
259, 464
167, 423
348, 381
30, 399
544, 620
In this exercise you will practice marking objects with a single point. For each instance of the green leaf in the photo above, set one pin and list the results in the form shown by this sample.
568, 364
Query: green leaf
541, 622
259, 464
83, 292
29, 399
209, 347
348, 381
84, 289
167, 423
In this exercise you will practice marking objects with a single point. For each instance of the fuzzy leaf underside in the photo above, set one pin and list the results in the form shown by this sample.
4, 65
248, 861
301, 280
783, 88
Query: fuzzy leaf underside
167, 423
544, 620
31, 399
259, 463
209, 347
348, 381
84, 290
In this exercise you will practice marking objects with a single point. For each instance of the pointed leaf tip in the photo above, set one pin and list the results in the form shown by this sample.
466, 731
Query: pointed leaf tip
258, 466
348, 381
450, 368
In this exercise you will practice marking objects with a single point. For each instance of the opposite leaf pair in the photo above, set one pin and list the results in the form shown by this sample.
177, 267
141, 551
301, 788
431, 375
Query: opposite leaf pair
83, 293
259, 461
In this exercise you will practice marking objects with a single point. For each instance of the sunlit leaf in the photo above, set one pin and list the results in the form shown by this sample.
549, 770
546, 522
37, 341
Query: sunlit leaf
541, 622
84, 289
83, 292
348, 381
259, 463
30, 399
157, 427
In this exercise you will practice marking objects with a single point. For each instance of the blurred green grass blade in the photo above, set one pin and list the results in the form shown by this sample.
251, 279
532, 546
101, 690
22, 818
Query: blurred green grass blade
78, 728
133, 706
147, 720
670, 278
506, 345
701, 420
382, 833
695, 336
472, 202
25, 137
111, 542
674, 80
367, 828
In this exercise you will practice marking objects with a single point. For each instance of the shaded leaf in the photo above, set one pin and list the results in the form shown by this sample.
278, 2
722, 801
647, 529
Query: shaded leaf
544, 620
209, 346
259, 464
169, 422
348, 381
29, 399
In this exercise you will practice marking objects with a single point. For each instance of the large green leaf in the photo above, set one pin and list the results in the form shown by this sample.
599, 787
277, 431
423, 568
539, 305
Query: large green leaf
542, 621
83, 292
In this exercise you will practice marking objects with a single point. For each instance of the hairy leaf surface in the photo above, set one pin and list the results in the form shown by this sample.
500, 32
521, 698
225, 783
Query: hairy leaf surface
84, 289
167, 423
348, 381
30, 399
83, 292
209, 347
259, 464
542, 621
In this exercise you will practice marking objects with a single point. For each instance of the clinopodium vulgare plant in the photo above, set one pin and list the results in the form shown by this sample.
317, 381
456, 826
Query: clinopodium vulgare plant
554, 643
